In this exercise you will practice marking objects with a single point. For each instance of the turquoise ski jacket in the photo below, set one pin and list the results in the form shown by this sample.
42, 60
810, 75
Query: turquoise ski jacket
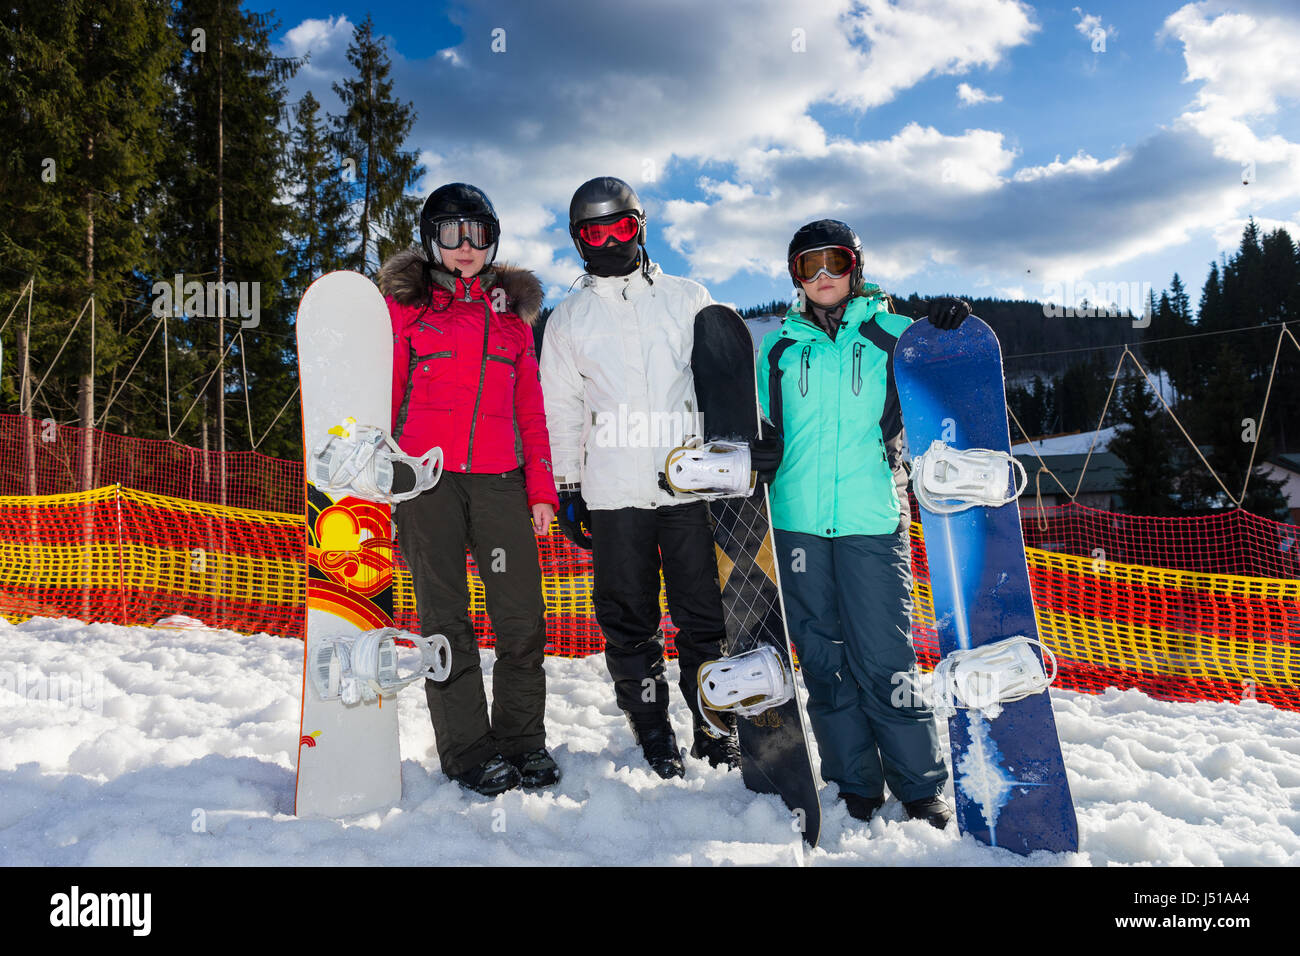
836, 405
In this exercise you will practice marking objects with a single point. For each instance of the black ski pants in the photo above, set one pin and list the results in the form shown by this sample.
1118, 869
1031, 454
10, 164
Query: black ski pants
848, 605
489, 514
629, 546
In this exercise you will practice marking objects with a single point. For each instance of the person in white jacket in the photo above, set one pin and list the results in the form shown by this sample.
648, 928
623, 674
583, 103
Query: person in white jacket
619, 394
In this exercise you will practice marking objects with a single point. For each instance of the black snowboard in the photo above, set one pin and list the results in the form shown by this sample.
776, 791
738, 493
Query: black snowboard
774, 744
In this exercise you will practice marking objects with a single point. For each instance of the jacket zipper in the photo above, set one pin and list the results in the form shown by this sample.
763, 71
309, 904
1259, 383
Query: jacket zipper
482, 369
857, 368
805, 363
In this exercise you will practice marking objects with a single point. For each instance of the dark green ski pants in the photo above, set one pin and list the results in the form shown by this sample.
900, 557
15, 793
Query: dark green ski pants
848, 604
489, 515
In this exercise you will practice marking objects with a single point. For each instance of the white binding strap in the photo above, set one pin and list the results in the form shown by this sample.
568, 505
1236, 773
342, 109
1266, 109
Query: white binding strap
361, 667
947, 480
986, 677
359, 459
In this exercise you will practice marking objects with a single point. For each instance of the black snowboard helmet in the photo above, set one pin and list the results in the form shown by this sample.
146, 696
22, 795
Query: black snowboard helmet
603, 199
458, 201
821, 233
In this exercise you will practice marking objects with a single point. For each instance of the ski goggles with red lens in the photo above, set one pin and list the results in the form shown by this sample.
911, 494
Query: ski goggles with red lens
596, 234
450, 233
835, 261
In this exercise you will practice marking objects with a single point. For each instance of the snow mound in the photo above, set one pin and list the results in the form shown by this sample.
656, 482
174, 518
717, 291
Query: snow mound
127, 746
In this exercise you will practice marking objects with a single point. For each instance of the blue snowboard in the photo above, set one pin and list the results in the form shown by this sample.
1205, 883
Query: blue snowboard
1008, 773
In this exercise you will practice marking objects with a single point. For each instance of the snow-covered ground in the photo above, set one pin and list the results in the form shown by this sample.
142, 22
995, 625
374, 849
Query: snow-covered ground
130, 745
759, 327
1067, 444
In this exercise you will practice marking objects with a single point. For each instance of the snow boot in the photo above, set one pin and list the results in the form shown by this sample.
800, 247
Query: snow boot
494, 775
718, 751
537, 768
932, 810
860, 807
658, 743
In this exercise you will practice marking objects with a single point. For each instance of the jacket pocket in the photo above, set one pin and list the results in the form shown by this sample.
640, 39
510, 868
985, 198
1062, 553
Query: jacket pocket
857, 368
432, 378
805, 366
499, 385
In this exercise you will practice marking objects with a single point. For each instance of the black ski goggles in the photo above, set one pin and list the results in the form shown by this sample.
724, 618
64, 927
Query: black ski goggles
450, 233
835, 261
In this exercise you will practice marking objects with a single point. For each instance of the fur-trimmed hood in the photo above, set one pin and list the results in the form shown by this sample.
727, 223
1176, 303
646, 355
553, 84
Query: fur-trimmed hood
403, 278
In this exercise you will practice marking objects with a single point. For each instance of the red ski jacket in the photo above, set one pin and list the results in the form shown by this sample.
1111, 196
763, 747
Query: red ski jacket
465, 372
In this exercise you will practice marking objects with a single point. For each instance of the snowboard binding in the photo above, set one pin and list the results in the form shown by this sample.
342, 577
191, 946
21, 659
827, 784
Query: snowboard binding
986, 677
362, 667
365, 461
947, 480
708, 470
746, 685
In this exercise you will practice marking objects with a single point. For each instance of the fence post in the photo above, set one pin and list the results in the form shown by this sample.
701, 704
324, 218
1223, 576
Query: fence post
121, 564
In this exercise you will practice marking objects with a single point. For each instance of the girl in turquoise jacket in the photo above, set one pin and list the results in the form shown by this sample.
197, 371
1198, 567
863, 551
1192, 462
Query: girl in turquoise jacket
840, 518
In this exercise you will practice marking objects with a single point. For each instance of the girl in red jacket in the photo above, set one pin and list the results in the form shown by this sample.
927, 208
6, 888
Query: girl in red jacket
465, 379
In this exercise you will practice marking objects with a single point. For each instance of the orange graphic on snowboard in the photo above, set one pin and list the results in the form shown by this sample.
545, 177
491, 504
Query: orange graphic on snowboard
350, 561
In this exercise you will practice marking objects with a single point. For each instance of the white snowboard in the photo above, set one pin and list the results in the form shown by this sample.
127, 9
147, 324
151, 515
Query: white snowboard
348, 756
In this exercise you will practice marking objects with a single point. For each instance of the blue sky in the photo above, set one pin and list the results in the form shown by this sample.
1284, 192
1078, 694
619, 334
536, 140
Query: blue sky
989, 147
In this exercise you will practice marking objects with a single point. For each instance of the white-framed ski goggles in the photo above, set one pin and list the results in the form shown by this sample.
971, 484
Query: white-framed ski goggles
835, 261
450, 233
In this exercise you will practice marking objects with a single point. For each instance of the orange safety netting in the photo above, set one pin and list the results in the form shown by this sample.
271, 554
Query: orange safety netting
1177, 635
1229, 542
44, 458
1204, 608
115, 554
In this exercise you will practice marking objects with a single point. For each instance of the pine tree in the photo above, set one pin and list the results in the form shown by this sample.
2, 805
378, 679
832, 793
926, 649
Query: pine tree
79, 99
1181, 323
1280, 274
1145, 443
1080, 394
1210, 312
1172, 351
1033, 406
1229, 426
370, 134
321, 225
222, 221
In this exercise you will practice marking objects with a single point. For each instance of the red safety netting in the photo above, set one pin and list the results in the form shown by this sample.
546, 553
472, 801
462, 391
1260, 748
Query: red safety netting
1204, 608
1229, 542
44, 458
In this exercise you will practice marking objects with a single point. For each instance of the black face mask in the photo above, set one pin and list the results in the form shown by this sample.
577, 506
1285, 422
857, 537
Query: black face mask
612, 259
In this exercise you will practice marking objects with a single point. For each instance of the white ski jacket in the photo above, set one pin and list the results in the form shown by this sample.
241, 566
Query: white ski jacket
616, 378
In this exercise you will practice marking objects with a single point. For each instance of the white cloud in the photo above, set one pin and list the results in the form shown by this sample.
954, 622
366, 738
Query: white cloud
325, 43
911, 39
927, 199
729, 93
1079, 164
1091, 27
972, 96
729, 104
1227, 236
1245, 62
914, 175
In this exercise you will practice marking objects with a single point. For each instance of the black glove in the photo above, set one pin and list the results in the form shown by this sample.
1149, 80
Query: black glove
572, 515
947, 313
765, 453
